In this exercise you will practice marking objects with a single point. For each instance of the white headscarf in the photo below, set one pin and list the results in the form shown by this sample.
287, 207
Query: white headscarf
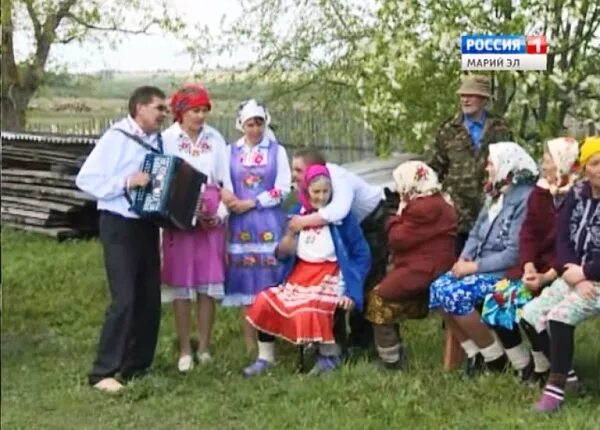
251, 109
254, 109
564, 152
508, 158
416, 179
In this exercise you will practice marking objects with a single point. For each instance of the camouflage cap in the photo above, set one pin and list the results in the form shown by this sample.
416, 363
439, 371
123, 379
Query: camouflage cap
478, 85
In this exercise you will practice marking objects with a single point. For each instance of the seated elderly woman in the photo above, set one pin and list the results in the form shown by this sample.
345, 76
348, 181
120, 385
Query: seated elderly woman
491, 251
502, 309
421, 240
575, 296
326, 268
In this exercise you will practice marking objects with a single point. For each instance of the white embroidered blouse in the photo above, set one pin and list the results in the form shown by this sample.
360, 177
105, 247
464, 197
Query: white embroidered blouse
315, 245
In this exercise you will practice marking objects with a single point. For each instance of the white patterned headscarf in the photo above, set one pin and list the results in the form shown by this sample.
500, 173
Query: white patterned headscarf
509, 159
416, 179
564, 151
512, 165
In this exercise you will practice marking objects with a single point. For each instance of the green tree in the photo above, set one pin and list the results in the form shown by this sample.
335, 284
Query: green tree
397, 62
413, 66
51, 22
305, 49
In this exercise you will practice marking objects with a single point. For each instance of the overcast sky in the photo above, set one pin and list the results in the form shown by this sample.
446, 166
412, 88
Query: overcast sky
147, 53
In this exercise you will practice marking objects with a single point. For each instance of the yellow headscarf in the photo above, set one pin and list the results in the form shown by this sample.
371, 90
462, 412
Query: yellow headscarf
591, 146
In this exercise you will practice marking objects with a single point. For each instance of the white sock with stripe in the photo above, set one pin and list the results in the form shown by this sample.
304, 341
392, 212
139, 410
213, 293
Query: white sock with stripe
541, 362
470, 348
492, 352
519, 356
554, 391
390, 354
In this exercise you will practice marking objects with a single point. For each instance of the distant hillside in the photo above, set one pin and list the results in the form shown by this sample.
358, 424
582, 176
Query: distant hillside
222, 85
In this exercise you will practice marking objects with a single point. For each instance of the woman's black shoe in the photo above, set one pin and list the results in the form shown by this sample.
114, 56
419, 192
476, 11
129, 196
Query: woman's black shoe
526, 374
498, 365
475, 365
538, 379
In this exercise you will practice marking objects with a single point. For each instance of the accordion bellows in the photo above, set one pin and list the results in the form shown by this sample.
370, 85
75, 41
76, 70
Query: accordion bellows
171, 198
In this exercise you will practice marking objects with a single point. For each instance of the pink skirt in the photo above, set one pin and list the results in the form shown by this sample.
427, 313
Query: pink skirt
194, 259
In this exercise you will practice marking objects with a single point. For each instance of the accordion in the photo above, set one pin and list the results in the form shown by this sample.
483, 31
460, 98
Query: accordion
172, 196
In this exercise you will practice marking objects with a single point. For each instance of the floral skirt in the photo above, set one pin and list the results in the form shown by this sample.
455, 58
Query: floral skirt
301, 310
504, 306
459, 296
560, 302
381, 311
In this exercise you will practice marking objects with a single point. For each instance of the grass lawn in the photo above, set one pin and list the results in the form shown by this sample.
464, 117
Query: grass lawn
54, 300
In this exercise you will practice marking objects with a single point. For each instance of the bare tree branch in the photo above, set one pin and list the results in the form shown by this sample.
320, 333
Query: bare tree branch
69, 39
63, 9
513, 93
37, 26
114, 27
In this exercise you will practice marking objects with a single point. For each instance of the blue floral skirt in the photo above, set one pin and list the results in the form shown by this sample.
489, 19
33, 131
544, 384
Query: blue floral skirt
459, 296
504, 306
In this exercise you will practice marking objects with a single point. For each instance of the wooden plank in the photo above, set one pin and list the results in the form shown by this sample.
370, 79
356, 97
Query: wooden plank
453, 355
42, 204
34, 156
25, 212
60, 183
46, 214
18, 219
60, 233
72, 201
38, 174
36, 160
41, 190
50, 152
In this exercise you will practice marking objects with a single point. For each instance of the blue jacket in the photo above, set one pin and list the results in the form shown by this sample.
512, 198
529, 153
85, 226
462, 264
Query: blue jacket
495, 246
352, 252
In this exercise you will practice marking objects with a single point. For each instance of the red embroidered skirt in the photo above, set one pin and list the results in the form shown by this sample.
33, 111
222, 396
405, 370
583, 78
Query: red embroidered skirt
300, 310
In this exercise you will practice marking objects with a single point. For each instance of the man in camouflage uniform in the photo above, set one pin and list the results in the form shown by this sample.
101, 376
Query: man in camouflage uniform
459, 156
460, 151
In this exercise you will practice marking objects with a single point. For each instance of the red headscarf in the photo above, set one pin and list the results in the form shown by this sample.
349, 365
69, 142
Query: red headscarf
188, 97
313, 171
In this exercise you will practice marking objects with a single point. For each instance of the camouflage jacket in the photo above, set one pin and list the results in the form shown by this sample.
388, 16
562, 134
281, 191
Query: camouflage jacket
461, 168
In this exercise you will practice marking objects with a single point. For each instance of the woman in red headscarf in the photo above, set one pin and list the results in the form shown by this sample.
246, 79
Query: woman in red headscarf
326, 267
194, 261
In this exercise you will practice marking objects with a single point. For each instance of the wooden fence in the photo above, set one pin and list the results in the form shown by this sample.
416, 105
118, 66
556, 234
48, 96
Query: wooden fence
338, 134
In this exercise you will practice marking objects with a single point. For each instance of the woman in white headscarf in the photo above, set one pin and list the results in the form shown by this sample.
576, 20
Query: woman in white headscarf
537, 261
261, 178
421, 239
491, 251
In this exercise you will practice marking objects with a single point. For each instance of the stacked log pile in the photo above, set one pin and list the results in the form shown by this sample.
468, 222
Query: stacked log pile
38, 185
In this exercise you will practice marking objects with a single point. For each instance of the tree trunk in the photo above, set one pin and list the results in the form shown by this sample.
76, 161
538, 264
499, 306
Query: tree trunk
14, 105
16, 92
